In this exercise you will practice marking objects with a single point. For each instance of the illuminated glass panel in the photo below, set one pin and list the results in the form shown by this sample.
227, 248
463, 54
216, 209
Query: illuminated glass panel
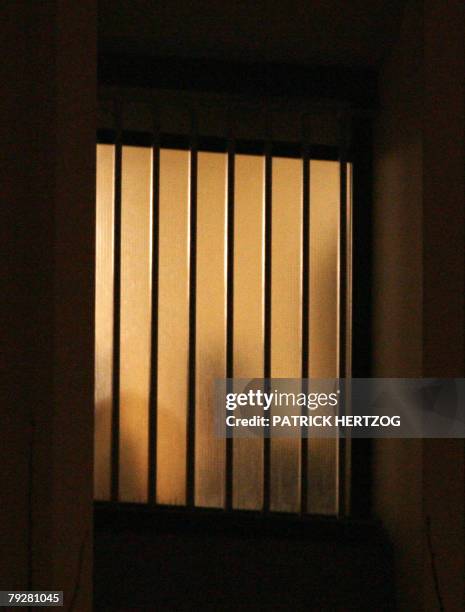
173, 327
248, 330
286, 326
103, 319
211, 326
248, 317
323, 341
135, 322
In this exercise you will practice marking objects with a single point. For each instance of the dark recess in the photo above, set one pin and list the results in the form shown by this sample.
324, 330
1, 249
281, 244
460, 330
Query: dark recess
356, 87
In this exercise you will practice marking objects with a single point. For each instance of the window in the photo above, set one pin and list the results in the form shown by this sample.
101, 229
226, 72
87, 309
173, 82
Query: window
216, 257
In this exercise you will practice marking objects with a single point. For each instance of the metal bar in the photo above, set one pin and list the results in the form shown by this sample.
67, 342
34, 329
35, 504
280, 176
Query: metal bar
190, 454
305, 320
267, 322
114, 490
230, 313
153, 393
342, 446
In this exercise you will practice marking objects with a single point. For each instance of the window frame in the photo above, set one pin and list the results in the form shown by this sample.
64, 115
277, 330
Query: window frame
355, 455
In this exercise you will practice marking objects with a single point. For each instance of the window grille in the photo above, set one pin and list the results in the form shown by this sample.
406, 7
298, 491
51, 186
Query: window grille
216, 257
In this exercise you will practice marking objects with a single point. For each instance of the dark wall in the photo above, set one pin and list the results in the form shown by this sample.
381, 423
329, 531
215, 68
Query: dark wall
48, 197
418, 292
177, 561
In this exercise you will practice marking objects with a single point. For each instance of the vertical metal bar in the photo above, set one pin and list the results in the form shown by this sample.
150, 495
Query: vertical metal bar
230, 311
153, 393
342, 450
190, 454
305, 319
267, 322
114, 493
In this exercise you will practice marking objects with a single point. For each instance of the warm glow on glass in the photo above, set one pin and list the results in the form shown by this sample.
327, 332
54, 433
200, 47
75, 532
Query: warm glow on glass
211, 326
286, 318
103, 320
173, 327
135, 322
323, 342
248, 316
174, 260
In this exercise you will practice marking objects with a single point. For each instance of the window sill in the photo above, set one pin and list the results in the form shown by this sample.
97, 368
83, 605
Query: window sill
247, 524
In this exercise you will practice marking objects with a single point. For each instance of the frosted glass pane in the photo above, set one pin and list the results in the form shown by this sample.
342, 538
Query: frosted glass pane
323, 342
173, 326
103, 320
286, 327
135, 322
248, 317
211, 326
173, 334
